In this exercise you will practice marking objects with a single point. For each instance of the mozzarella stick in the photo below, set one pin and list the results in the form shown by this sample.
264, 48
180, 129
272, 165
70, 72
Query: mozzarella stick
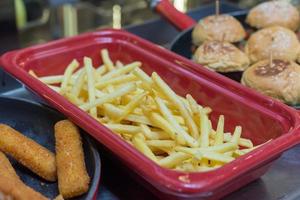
73, 179
6, 169
29, 153
16, 189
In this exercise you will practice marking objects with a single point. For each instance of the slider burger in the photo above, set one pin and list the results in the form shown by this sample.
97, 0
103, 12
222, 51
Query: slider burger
218, 28
278, 79
282, 42
221, 57
272, 13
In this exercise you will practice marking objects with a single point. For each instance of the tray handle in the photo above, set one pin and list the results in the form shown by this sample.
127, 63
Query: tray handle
178, 19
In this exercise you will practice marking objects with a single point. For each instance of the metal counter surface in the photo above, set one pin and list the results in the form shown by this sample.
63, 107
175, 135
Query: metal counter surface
281, 182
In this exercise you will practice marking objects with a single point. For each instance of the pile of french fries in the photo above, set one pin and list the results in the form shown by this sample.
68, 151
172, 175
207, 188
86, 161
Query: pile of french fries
173, 131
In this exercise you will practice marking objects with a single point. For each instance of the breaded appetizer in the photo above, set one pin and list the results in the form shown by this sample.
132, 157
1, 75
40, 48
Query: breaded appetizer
6, 169
73, 179
17, 190
29, 153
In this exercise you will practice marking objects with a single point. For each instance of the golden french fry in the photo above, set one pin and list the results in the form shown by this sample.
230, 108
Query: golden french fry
236, 135
161, 143
119, 64
205, 130
121, 71
121, 128
214, 156
173, 159
142, 147
107, 61
182, 136
160, 122
100, 71
109, 97
117, 80
132, 105
167, 91
220, 131
67, 75
78, 83
89, 70
52, 79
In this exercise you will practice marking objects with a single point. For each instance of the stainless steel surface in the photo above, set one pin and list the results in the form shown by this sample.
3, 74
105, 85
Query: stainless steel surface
281, 182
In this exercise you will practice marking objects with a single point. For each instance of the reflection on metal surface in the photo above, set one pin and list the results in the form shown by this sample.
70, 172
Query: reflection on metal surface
70, 20
117, 16
181, 5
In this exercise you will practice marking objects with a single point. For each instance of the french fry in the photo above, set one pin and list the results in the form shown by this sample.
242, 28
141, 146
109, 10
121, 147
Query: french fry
218, 157
106, 60
236, 135
100, 71
117, 72
52, 79
120, 128
67, 75
78, 83
161, 143
142, 147
119, 64
205, 130
160, 122
116, 80
153, 135
180, 106
109, 97
132, 105
220, 131
89, 70
182, 137
173, 159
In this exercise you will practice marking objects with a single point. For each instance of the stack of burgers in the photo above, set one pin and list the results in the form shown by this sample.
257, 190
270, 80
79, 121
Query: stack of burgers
269, 58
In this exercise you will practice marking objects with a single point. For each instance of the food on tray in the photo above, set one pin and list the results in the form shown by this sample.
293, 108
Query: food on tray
26, 151
271, 13
282, 42
171, 130
218, 28
59, 197
73, 179
11, 186
221, 57
18, 190
276, 78
6, 169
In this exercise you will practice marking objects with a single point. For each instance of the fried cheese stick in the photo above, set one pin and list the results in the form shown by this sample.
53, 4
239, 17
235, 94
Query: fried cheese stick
17, 190
29, 153
6, 169
73, 179
11, 186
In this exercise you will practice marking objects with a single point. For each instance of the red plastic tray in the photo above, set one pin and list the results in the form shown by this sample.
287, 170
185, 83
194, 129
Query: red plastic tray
262, 118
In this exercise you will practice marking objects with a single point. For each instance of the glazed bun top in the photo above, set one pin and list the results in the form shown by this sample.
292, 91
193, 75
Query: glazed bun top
273, 13
221, 57
278, 79
218, 28
282, 42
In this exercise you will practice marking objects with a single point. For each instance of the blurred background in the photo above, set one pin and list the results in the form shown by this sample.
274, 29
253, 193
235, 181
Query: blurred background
27, 22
